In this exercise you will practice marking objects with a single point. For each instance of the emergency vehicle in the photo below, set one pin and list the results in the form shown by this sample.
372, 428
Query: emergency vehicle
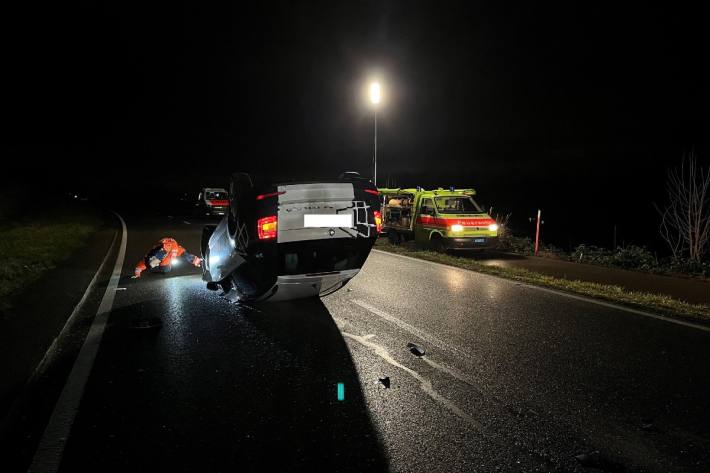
443, 219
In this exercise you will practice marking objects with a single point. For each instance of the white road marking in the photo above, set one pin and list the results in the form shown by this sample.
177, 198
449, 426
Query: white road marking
121, 288
561, 293
51, 447
186, 222
77, 308
431, 339
424, 384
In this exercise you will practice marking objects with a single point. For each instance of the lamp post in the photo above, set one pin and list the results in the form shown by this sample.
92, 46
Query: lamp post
375, 97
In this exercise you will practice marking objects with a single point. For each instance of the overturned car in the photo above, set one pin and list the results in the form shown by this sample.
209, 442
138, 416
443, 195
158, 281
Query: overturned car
289, 240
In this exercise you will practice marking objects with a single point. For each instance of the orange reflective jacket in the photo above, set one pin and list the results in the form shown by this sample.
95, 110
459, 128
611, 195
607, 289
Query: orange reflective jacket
172, 250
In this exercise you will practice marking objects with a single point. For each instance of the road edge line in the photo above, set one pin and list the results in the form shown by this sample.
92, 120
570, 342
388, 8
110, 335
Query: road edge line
48, 454
610, 305
76, 310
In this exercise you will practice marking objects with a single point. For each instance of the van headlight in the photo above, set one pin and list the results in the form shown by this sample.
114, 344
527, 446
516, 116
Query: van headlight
493, 227
456, 228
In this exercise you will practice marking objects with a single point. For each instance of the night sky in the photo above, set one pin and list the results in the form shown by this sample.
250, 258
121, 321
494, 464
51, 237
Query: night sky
576, 110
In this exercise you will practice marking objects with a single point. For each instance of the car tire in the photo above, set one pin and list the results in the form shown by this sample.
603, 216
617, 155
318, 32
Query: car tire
436, 243
394, 237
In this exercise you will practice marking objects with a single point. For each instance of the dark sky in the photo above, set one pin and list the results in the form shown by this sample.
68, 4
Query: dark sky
577, 110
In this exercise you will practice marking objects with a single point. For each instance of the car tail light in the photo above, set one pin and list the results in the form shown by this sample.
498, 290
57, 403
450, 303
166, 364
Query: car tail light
270, 194
266, 227
378, 221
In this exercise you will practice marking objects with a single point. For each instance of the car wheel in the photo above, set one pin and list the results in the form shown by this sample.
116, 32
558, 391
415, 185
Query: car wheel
394, 237
437, 244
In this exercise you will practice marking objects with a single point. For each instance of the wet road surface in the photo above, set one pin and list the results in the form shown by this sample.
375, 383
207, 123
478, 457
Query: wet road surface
513, 378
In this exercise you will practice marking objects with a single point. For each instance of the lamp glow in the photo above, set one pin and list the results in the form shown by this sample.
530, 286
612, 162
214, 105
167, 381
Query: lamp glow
493, 227
456, 228
375, 93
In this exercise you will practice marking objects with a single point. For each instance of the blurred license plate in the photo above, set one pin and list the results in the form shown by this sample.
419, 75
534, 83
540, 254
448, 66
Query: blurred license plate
479, 240
328, 221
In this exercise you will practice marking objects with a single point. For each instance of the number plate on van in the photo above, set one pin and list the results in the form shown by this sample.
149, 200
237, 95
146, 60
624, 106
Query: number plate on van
479, 240
328, 221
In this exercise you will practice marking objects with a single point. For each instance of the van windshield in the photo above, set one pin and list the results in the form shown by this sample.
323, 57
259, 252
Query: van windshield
457, 205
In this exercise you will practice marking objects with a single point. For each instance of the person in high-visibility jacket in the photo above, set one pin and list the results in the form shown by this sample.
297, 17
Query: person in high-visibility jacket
163, 255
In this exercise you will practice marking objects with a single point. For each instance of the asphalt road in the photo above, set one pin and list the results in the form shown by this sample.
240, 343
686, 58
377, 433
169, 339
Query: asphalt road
513, 379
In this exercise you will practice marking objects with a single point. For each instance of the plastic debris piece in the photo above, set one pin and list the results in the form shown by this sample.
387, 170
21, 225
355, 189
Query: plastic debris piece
596, 460
648, 425
385, 382
146, 323
417, 350
588, 459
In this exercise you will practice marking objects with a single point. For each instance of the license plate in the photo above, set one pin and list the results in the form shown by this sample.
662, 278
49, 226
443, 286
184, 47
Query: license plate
479, 240
328, 221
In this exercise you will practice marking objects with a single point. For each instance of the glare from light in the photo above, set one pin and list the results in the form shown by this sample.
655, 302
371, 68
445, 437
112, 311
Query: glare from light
456, 228
493, 227
375, 93
176, 262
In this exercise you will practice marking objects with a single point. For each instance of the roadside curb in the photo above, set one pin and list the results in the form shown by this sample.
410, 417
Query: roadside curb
89, 289
15, 416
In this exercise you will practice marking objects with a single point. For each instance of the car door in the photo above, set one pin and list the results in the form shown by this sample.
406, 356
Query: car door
425, 220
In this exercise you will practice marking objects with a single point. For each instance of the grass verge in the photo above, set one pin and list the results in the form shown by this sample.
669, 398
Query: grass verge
656, 303
29, 248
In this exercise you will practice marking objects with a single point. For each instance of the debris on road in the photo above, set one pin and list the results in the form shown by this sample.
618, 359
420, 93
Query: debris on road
416, 350
648, 425
385, 382
145, 323
596, 460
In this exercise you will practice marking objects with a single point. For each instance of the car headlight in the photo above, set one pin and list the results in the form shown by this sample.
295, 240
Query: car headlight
456, 228
493, 227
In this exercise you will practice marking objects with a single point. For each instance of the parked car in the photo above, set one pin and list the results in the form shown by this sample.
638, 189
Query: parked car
213, 201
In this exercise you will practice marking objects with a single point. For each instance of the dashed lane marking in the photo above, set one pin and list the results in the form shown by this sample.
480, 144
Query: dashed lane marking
424, 384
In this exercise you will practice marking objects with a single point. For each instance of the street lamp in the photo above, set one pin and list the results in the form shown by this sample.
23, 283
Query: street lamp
375, 97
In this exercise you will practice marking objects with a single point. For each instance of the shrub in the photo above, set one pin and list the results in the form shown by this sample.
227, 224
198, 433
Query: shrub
628, 257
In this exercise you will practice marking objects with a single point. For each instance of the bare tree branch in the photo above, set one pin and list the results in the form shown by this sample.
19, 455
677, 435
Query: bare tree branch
685, 219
